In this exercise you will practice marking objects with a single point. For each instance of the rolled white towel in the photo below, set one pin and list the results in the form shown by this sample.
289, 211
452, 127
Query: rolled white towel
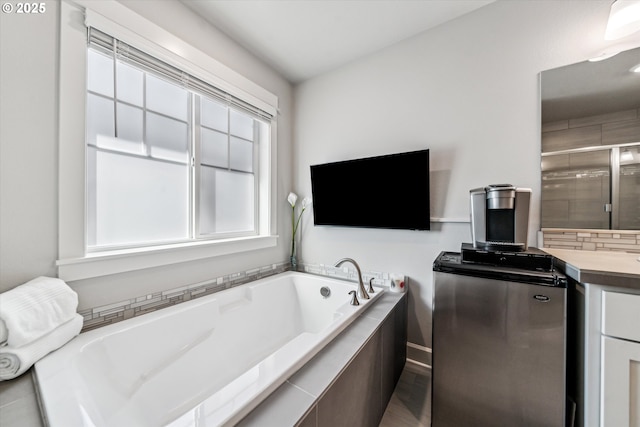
36, 308
3, 333
15, 361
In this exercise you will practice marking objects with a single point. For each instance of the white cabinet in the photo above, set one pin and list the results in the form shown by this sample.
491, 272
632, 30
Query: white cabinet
620, 383
620, 360
621, 315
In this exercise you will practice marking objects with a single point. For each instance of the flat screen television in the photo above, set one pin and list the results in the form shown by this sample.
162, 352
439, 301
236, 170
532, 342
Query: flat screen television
390, 191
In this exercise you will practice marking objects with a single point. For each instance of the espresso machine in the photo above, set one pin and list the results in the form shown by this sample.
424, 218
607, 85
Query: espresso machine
499, 323
500, 217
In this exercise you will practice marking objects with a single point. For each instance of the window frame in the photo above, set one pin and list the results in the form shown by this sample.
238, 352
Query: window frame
74, 261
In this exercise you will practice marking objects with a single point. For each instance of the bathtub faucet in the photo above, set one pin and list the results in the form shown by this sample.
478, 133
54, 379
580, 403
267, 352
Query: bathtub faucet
361, 289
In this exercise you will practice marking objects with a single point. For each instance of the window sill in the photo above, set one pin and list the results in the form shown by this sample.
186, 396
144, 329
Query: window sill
112, 262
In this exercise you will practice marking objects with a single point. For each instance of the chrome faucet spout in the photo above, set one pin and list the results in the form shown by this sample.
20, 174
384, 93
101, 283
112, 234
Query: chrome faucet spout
361, 289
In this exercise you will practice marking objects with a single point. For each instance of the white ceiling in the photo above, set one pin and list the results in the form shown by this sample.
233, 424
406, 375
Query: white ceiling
304, 38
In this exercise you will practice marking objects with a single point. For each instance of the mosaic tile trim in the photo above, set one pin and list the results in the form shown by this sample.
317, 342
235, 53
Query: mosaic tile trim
97, 317
347, 272
592, 240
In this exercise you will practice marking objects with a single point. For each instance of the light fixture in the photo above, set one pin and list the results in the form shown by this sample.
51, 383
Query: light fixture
626, 155
624, 19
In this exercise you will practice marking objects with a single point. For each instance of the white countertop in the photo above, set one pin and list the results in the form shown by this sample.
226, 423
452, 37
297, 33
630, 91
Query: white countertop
600, 267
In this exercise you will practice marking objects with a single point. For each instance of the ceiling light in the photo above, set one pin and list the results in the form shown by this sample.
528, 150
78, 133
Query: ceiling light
624, 19
626, 156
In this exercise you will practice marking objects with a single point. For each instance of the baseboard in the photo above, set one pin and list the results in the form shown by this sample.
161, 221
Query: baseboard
418, 354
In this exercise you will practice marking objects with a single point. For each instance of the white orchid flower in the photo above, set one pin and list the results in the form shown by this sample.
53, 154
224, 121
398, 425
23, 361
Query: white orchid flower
306, 202
292, 199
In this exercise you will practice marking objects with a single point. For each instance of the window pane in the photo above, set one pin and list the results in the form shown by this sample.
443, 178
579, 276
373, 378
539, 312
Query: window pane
167, 138
227, 201
129, 84
130, 135
100, 123
241, 155
100, 73
167, 98
138, 200
214, 150
207, 200
214, 115
139, 184
91, 196
241, 125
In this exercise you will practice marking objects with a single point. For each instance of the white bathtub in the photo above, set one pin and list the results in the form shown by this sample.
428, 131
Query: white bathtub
206, 362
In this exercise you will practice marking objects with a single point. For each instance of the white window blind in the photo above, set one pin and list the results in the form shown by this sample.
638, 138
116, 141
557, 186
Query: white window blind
126, 53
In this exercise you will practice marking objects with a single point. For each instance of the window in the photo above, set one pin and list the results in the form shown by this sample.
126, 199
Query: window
115, 122
169, 157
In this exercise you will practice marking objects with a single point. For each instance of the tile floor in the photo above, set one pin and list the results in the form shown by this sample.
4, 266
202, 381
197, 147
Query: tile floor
410, 404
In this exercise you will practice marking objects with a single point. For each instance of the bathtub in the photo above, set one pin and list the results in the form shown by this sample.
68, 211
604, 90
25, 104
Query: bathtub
205, 362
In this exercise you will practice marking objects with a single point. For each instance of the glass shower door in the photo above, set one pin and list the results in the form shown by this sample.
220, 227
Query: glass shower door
628, 214
576, 191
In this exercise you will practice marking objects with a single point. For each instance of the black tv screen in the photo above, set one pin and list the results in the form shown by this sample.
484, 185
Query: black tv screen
389, 191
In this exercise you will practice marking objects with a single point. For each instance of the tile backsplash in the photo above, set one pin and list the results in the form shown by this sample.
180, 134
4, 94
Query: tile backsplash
97, 317
348, 273
105, 315
592, 240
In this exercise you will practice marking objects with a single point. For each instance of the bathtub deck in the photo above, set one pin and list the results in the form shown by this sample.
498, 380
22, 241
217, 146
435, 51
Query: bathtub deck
340, 385
409, 406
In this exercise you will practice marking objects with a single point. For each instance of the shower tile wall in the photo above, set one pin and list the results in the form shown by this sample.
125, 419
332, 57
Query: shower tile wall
605, 129
577, 185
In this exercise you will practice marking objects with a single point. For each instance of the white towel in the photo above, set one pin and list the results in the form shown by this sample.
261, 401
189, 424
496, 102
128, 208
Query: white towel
15, 361
34, 309
3, 333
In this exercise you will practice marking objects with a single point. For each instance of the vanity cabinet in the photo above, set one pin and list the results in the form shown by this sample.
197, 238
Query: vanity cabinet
603, 377
608, 357
620, 360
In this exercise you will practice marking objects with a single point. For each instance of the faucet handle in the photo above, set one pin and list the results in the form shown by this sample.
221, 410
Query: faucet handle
371, 290
354, 298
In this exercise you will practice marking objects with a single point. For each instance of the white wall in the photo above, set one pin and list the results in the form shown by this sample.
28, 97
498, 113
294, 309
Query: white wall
28, 145
468, 91
28, 153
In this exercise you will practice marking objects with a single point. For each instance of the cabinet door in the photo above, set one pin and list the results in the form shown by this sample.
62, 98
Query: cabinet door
621, 315
620, 383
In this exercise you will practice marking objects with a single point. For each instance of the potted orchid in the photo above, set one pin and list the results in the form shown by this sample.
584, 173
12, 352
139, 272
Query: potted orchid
292, 199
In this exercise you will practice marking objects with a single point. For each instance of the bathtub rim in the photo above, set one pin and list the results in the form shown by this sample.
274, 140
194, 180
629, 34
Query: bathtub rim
89, 337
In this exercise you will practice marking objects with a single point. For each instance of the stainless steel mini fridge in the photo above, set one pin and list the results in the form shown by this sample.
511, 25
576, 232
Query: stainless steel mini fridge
499, 337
